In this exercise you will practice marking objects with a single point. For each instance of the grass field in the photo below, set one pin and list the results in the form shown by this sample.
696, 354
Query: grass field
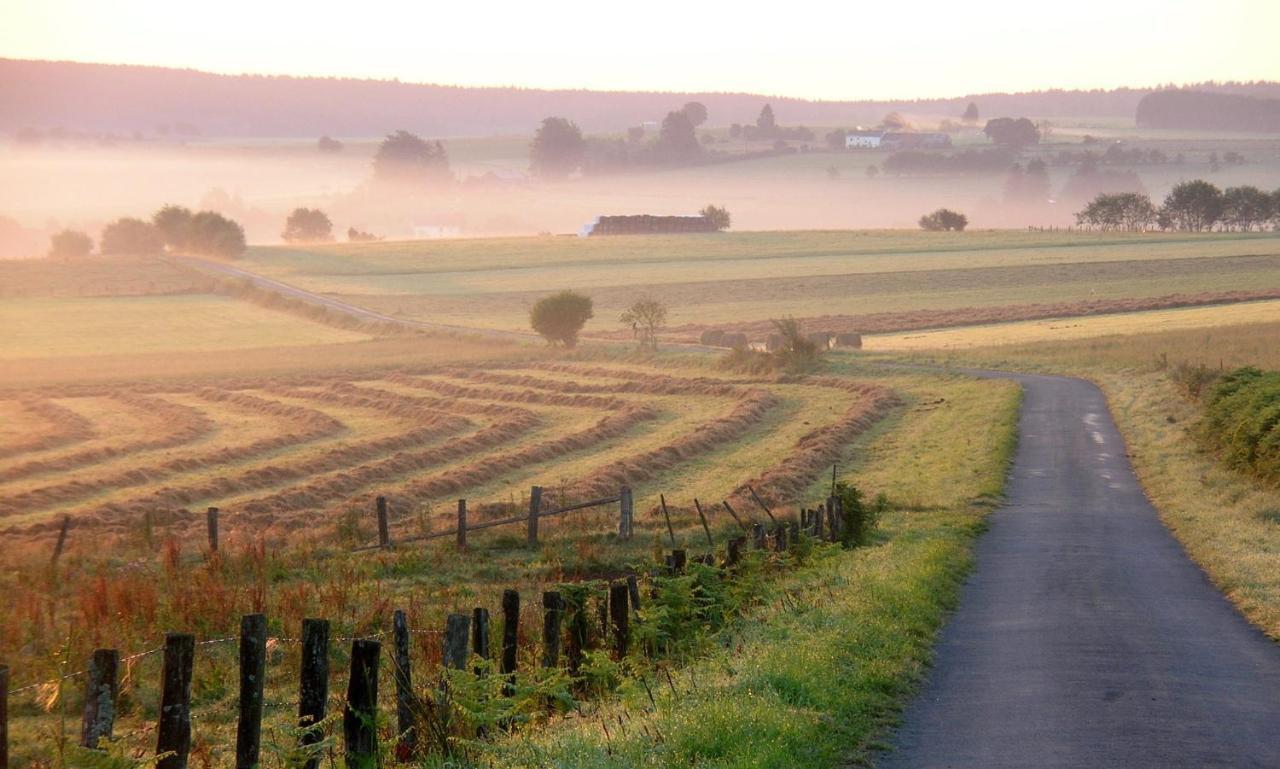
710, 279
194, 323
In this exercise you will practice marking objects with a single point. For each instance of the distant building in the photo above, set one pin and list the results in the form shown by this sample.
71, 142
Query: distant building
645, 224
902, 140
863, 140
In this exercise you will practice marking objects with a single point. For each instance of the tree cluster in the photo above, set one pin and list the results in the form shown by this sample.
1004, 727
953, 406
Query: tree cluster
944, 220
1012, 132
717, 216
172, 228
407, 160
766, 127
1193, 206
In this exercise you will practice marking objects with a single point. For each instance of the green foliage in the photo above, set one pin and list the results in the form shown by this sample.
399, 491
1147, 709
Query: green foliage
174, 225
559, 317
1192, 206
1130, 211
696, 111
944, 220
404, 158
70, 244
307, 225
1011, 132
860, 517
718, 216
206, 233
677, 140
646, 316
131, 237
558, 148
1242, 421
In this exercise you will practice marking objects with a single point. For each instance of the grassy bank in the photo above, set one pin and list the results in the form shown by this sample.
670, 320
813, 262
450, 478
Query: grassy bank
814, 676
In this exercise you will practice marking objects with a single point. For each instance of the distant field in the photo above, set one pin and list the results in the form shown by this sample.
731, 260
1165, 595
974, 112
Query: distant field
51, 328
734, 277
1191, 322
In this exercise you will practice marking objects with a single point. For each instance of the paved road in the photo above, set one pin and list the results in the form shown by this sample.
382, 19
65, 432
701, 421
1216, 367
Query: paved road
1085, 637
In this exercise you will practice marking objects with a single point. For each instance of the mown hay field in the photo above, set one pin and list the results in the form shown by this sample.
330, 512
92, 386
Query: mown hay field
729, 277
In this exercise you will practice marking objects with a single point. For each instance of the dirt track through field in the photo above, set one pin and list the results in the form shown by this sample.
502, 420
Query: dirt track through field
1085, 636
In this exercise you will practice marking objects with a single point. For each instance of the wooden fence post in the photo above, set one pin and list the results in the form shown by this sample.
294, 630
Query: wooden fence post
670, 532
384, 532
757, 535
462, 524
734, 552
360, 721
552, 614
211, 523
633, 591
794, 528
4, 717
253, 669
618, 612
404, 683
734, 513
535, 508
313, 685
62, 538
679, 560
173, 731
457, 633
480, 632
707, 529
100, 693
817, 524
575, 647
626, 511
510, 633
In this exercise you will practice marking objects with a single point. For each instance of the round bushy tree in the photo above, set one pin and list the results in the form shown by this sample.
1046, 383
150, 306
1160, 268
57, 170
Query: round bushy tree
132, 237
307, 225
70, 244
559, 317
944, 220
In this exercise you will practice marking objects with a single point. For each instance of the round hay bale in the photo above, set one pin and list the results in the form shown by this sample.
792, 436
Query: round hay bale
820, 338
737, 340
849, 340
712, 337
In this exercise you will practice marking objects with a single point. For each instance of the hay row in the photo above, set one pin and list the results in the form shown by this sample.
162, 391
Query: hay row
62, 427
177, 425
511, 396
310, 424
712, 435
397, 404
648, 382
817, 450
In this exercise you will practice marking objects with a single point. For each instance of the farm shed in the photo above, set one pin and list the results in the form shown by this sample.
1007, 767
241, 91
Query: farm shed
644, 224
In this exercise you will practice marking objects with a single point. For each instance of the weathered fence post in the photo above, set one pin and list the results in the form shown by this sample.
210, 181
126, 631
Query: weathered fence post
4, 717
757, 536
781, 537
552, 614
817, 524
100, 693
620, 615
457, 636
510, 633
707, 529
211, 523
535, 509
679, 560
734, 553
404, 683
253, 669
626, 509
360, 721
734, 513
575, 647
62, 539
633, 591
480, 632
462, 524
313, 685
662, 500
794, 527
173, 731
384, 532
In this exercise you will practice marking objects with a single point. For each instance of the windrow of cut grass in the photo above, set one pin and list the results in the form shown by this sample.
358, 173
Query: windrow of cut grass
1242, 421
454, 390
61, 427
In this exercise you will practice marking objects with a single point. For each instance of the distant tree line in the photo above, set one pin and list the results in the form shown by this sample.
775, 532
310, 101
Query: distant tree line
923, 162
560, 149
1208, 111
766, 128
1193, 206
173, 229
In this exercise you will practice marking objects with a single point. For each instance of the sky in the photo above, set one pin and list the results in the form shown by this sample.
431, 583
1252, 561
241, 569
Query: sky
821, 50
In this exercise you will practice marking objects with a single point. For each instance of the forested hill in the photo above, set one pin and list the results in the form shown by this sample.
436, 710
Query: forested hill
89, 98
1209, 111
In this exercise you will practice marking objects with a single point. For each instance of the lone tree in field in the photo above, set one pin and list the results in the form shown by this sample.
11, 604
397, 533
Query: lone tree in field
213, 234
559, 317
766, 123
717, 216
307, 225
677, 140
970, 113
696, 111
1008, 132
646, 316
130, 237
329, 145
944, 220
70, 244
557, 149
1192, 206
407, 159
174, 225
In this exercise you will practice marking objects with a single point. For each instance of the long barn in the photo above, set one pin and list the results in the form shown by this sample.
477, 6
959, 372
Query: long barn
645, 224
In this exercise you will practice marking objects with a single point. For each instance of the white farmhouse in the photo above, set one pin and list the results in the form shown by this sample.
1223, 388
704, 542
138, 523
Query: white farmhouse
862, 140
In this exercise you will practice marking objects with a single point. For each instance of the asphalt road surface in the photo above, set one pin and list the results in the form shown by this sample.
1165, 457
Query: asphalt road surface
1085, 637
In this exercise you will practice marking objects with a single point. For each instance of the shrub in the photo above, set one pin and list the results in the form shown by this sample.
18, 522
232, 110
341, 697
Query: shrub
559, 317
944, 220
860, 518
70, 244
133, 237
646, 316
1242, 421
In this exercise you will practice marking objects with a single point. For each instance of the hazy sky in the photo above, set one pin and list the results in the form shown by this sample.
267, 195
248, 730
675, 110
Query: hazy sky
845, 50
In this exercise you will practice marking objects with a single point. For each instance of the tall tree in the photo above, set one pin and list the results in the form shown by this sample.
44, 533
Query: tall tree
557, 149
407, 159
174, 225
131, 237
1244, 208
307, 225
765, 121
696, 111
971, 113
677, 140
1193, 206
